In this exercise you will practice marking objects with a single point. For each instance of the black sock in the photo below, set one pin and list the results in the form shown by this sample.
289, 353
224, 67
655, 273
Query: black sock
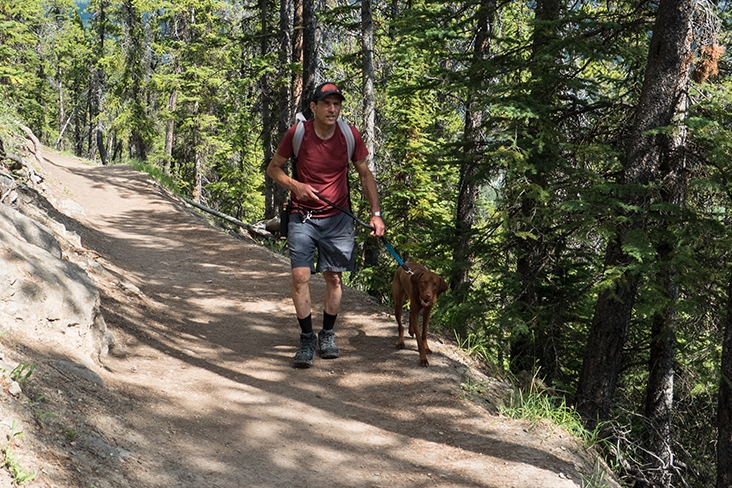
329, 321
306, 324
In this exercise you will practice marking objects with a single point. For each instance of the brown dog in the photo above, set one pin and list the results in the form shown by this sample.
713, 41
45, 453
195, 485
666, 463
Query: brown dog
422, 289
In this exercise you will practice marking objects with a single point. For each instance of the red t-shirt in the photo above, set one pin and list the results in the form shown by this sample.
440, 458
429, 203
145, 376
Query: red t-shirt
323, 164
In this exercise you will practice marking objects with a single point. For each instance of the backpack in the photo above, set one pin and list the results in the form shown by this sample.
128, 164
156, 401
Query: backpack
300, 133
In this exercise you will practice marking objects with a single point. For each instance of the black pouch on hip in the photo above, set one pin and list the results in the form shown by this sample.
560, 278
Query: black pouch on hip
284, 219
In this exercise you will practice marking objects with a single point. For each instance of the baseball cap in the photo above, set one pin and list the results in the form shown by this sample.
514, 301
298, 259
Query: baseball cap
322, 91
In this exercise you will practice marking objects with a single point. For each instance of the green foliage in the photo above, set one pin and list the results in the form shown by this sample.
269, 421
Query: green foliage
238, 192
21, 66
553, 99
156, 172
535, 406
22, 372
11, 461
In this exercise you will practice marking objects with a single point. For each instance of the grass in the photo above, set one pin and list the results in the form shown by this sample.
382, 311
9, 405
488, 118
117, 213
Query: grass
70, 433
536, 406
11, 461
22, 372
156, 172
474, 346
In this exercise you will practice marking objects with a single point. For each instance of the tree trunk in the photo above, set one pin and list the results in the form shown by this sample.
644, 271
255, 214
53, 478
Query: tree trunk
170, 129
665, 81
197, 158
526, 347
310, 53
368, 130
466, 216
98, 129
134, 74
61, 111
284, 55
96, 133
724, 403
275, 196
660, 389
297, 52
267, 118
265, 84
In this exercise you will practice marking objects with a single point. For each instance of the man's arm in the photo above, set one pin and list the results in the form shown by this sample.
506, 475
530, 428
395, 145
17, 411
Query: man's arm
368, 183
302, 191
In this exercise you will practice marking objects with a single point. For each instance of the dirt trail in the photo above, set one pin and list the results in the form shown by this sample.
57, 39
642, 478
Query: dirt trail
201, 392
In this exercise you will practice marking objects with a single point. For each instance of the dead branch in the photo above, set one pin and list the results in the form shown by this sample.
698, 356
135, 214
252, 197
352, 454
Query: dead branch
38, 149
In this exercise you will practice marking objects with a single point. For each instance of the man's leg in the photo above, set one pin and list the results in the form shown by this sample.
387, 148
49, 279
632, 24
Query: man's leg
301, 300
301, 291
333, 294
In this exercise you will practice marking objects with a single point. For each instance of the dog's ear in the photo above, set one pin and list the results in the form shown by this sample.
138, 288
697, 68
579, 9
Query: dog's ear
415, 278
443, 286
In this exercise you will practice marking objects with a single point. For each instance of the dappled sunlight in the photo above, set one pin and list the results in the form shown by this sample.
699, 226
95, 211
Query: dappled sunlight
264, 374
204, 392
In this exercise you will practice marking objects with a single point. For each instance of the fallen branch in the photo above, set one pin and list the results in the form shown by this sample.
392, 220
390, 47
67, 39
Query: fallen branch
229, 218
38, 151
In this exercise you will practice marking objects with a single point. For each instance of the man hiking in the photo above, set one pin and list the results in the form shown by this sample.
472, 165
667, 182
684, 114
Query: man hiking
321, 169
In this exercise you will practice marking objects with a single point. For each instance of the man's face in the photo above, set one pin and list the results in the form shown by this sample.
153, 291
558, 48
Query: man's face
327, 110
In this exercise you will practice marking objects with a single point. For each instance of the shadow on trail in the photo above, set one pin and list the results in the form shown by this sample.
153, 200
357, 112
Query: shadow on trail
211, 305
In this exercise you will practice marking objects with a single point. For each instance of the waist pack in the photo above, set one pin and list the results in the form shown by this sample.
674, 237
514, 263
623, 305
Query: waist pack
284, 219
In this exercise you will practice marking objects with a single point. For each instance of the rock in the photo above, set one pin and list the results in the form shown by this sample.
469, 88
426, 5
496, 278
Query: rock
14, 222
79, 370
272, 225
43, 295
14, 389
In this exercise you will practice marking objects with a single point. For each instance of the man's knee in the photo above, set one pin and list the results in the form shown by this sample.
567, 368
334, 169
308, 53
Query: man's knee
332, 278
300, 276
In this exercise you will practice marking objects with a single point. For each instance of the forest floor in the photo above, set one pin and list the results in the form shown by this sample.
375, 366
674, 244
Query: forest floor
200, 390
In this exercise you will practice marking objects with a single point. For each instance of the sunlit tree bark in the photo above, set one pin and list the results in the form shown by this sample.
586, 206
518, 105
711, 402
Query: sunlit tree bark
665, 82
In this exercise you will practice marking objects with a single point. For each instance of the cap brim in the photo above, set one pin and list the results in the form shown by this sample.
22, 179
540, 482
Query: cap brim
327, 94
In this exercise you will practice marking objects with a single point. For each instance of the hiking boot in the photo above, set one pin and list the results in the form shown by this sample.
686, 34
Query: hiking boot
304, 355
328, 349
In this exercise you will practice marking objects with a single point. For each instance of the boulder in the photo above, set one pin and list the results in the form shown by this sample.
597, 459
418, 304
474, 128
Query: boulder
43, 295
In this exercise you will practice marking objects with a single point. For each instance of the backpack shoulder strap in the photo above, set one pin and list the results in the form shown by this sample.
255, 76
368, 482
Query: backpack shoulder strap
345, 129
348, 134
297, 138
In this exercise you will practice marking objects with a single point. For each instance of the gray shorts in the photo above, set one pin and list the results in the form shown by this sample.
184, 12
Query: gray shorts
332, 237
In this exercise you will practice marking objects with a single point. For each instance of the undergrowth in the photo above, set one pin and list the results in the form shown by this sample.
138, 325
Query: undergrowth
156, 172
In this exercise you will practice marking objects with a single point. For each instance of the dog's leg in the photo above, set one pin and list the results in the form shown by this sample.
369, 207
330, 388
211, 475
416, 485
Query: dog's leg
425, 326
400, 341
414, 305
398, 304
424, 349
414, 323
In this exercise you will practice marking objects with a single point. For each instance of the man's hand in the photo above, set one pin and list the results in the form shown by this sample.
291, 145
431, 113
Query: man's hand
378, 224
305, 192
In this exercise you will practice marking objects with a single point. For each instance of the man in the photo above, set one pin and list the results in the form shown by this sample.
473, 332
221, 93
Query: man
321, 170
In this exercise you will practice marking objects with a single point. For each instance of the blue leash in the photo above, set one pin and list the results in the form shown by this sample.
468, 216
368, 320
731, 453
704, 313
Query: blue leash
388, 247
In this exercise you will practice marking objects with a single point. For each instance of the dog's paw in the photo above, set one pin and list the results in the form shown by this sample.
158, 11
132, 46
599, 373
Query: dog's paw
424, 362
400, 345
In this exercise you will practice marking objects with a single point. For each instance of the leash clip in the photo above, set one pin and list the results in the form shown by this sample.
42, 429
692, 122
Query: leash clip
308, 216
